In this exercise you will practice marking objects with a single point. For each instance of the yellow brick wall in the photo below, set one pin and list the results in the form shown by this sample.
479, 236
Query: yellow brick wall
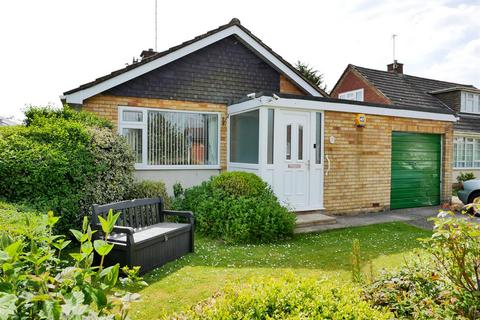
359, 177
107, 107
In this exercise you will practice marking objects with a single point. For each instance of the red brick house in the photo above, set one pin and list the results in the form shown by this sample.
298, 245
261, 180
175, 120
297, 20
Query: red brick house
394, 87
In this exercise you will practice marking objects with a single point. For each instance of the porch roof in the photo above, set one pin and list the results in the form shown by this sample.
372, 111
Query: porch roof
279, 100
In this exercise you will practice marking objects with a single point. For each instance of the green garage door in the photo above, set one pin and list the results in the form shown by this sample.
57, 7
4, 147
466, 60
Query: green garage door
416, 160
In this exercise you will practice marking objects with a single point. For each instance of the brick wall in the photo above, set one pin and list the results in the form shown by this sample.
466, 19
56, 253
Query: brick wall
286, 86
359, 177
107, 106
351, 80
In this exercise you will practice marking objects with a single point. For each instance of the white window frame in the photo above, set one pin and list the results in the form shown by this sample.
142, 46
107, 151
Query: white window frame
344, 95
144, 126
475, 146
475, 107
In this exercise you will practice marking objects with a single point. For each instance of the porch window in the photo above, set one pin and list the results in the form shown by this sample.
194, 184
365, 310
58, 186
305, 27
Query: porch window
244, 134
318, 137
270, 135
466, 152
164, 139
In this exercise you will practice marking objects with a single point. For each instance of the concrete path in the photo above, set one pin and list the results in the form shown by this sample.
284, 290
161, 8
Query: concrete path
415, 216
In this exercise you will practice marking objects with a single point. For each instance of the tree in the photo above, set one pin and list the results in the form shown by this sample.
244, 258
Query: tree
311, 74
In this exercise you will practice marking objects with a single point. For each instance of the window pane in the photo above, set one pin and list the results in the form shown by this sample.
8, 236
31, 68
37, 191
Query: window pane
134, 139
318, 138
270, 136
128, 115
289, 142
182, 138
244, 137
469, 153
300, 142
359, 95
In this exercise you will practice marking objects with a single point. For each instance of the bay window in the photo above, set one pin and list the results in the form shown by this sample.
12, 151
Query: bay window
171, 139
466, 152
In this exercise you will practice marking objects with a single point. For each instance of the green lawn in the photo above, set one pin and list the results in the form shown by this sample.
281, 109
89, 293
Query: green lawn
186, 281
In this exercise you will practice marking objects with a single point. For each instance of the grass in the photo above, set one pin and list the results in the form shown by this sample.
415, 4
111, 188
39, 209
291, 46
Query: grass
180, 284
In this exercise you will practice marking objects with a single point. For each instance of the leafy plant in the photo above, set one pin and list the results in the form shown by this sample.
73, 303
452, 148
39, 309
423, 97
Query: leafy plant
150, 189
37, 283
237, 208
288, 297
465, 176
356, 262
62, 162
311, 74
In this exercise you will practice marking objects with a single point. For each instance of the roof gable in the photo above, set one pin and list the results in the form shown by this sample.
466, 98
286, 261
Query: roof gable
76, 96
219, 73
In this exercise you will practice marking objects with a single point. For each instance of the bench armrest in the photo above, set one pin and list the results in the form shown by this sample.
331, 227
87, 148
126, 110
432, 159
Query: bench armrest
185, 214
118, 229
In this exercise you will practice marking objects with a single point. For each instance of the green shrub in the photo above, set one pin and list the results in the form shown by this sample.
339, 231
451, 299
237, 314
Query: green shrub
238, 208
289, 297
465, 176
413, 292
37, 283
63, 164
237, 183
21, 221
39, 115
150, 189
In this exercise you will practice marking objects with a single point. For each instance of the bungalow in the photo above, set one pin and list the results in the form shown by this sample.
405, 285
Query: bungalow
226, 101
396, 88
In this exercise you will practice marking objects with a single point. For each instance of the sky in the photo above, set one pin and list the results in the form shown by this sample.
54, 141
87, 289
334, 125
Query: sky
50, 46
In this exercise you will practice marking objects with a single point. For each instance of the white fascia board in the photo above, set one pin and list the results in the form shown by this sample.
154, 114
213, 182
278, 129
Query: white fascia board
79, 96
337, 106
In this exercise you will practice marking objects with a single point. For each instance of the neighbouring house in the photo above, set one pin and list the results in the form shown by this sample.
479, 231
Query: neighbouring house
226, 101
396, 88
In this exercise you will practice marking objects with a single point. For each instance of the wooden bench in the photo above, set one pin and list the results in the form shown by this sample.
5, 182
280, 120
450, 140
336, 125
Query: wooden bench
141, 235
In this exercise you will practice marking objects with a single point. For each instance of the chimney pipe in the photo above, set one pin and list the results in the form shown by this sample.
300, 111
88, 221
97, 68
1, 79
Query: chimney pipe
147, 53
396, 67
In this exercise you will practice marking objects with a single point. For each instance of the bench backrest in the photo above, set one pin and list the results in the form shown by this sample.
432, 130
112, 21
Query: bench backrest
136, 213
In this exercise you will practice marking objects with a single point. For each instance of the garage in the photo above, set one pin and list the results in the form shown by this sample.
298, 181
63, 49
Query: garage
416, 170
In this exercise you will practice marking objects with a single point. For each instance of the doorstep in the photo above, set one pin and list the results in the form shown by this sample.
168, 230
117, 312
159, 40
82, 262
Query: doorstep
311, 221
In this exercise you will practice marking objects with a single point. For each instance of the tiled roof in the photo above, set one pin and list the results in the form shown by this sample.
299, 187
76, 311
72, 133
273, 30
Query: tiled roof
408, 91
233, 22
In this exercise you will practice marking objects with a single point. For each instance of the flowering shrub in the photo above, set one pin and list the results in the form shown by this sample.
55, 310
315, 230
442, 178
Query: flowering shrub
37, 283
289, 297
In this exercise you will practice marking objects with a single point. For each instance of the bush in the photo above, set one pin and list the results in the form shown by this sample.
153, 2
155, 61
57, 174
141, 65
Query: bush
150, 189
237, 208
465, 176
413, 292
20, 221
63, 164
289, 297
37, 283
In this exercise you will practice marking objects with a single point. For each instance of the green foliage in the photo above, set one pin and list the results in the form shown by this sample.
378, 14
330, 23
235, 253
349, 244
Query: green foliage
150, 189
63, 164
311, 74
36, 283
39, 115
413, 292
356, 262
237, 208
177, 189
447, 285
238, 183
289, 297
465, 176
20, 221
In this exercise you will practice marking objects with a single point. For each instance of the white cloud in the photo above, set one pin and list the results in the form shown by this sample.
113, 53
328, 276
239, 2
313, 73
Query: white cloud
51, 46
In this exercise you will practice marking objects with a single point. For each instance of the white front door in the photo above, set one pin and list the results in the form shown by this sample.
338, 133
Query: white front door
292, 158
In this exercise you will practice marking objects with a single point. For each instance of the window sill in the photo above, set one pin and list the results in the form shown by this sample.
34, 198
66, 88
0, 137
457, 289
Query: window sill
177, 167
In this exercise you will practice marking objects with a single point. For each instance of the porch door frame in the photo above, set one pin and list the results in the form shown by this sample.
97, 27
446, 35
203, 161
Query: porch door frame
314, 171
